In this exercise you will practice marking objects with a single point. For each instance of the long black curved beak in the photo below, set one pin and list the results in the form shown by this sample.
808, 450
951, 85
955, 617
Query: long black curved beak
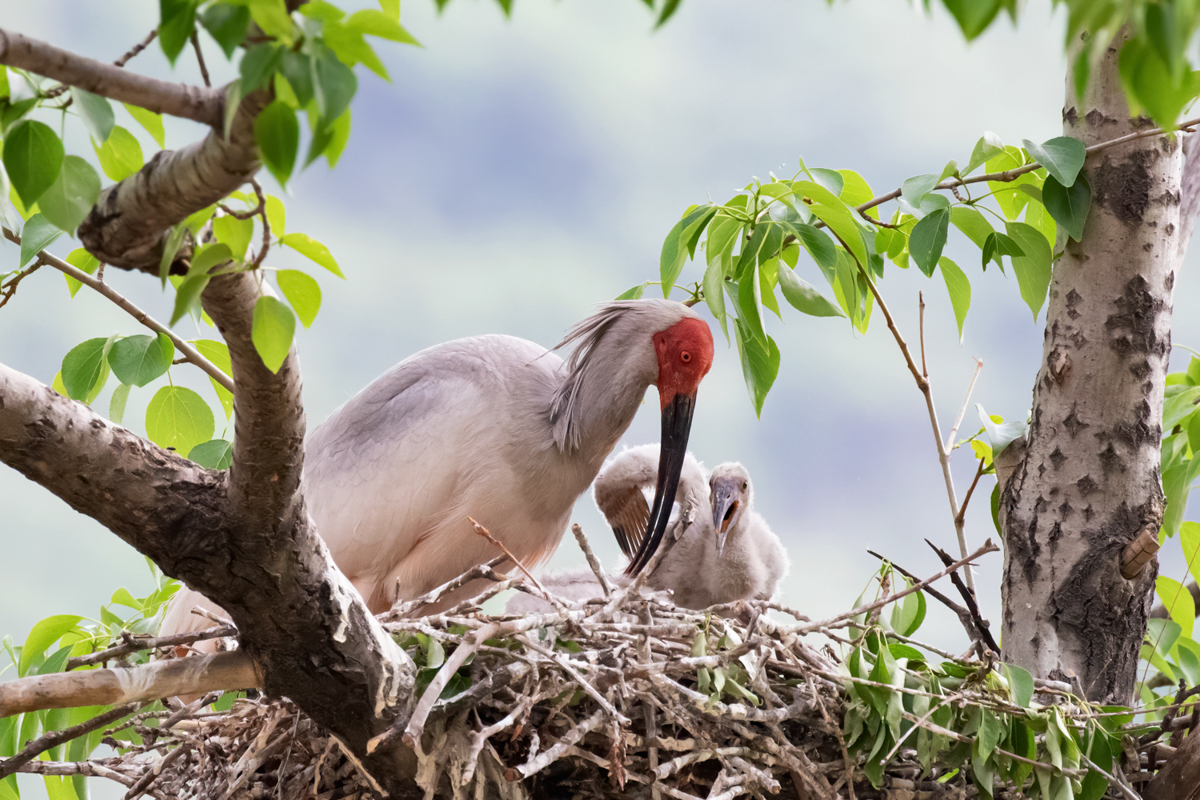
676, 425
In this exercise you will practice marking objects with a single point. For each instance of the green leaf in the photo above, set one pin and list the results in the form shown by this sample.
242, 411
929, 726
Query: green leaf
218, 354
1068, 206
276, 216
152, 123
928, 238
305, 245
959, 289
121, 155
1189, 540
819, 246
302, 292
96, 111
271, 331
1020, 683
208, 257
44, 634
37, 235
258, 65
632, 293
227, 24
116, 404
278, 136
1178, 602
297, 70
178, 419
381, 24
1032, 268
84, 370
213, 454
972, 222
176, 25
829, 178
803, 297
272, 16
760, 363
170, 250
973, 16
680, 242
1062, 157
1000, 244
234, 232
138, 360
84, 261
914, 189
334, 86
989, 146
33, 156
72, 195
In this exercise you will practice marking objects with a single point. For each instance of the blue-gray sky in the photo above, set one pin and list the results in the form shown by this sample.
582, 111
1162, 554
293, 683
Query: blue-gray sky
517, 172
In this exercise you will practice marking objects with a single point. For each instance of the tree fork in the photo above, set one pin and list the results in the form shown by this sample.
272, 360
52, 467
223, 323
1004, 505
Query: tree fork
1087, 482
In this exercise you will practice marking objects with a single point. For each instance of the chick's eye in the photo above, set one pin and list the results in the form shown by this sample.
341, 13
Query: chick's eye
685, 356
743, 487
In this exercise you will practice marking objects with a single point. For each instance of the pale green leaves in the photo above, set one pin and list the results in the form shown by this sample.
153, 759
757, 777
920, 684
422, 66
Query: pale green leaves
36, 236
1068, 205
138, 360
214, 454
1062, 157
271, 330
760, 363
278, 136
120, 156
928, 238
96, 111
1032, 268
85, 369
302, 292
305, 245
959, 289
178, 419
69, 199
680, 244
33, 156
803, 297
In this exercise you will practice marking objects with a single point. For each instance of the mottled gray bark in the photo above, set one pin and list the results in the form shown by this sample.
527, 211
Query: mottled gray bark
1088, 480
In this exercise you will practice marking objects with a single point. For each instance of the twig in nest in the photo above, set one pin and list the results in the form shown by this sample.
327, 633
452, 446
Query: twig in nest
592, 561
134, 644
486, 571
987, 547
964, 616
416, 723
485, 533
969, 598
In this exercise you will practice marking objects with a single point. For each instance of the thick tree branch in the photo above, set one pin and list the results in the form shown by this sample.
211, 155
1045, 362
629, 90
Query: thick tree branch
130, 223
107, 80
101, 687
268, 445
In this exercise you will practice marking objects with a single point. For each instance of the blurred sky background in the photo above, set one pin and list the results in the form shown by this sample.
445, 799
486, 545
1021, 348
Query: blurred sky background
517, 172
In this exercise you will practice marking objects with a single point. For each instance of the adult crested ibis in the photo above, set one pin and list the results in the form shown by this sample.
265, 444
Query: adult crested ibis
498, 429
725, 549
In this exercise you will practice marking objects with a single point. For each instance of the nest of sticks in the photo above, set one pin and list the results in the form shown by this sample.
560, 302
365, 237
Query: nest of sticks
626, 695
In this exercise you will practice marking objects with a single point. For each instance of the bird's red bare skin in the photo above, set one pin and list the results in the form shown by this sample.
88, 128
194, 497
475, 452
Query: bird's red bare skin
685, 354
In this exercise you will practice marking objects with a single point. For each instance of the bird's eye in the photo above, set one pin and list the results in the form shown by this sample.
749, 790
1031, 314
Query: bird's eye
685, 356
743, 486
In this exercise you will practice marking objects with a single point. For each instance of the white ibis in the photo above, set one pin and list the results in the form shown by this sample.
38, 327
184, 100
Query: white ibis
724, 550
498, 429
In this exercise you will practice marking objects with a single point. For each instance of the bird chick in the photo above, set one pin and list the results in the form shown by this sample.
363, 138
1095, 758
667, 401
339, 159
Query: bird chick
724, 550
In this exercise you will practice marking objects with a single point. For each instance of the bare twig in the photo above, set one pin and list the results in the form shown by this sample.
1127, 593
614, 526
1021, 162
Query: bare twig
968, 596
129, 308
200, 59
134, 644
485, 533
54, 738
9, 287
962, 412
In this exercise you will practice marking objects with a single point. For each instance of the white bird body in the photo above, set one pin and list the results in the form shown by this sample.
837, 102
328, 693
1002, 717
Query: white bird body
724, 549
493, 427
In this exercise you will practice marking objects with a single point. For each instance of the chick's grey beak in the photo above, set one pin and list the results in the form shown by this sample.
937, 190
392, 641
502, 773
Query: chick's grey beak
725, 505
676, 425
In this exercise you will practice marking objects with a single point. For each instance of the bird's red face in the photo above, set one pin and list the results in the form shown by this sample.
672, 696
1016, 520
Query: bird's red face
685, 354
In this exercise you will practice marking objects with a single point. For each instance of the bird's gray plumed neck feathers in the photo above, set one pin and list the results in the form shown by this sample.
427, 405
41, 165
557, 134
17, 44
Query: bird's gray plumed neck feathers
612, 363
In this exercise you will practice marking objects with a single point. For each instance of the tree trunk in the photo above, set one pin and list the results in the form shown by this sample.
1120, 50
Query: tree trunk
1087, 480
